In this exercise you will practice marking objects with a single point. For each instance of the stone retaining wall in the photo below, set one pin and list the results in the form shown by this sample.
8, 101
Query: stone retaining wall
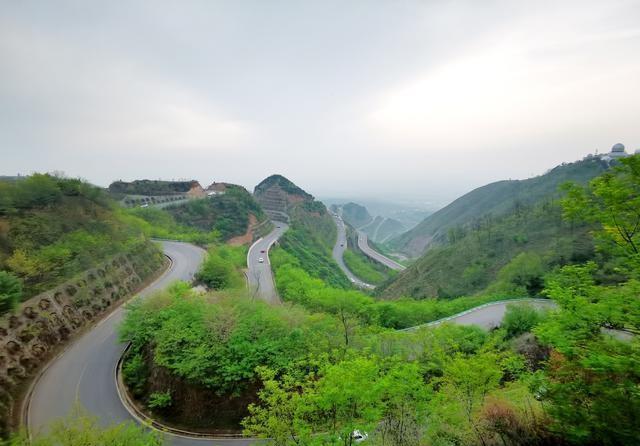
44, 323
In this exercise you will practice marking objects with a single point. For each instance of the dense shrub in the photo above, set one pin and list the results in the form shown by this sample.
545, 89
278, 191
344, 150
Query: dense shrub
10, 291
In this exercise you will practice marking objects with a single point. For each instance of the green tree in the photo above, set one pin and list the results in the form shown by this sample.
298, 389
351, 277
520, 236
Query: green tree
347, 398
283, 414
523, 275
80, 430
592, 379
10, 291
160, 400
519, 319
464, 387
404, 396
612, 200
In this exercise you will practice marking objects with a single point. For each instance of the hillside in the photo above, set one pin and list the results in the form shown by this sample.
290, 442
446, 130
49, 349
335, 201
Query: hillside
381, 229
312, 233
356, 215
472, 259
378, 228
230, 213
53, 228
494, 199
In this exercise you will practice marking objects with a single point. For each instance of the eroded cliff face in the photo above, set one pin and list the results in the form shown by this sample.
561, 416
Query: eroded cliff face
40, 326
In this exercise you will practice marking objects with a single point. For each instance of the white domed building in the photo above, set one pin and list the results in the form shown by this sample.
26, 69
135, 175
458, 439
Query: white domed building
617, 152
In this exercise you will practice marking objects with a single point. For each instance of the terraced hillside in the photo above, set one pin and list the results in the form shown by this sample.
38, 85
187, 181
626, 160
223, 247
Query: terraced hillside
312, 233
277, 195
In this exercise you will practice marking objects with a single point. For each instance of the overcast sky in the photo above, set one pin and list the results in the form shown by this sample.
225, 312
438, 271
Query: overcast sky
414, 99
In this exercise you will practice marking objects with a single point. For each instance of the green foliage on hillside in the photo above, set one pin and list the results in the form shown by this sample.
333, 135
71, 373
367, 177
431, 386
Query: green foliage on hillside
53, 228
217, 343
296, 285
557, 379
151, 187
612, 203
508, 254
493, 200
204, 220
227, 213
310, 240
520, 319
79, 429
222, 269
363, 268
158, 223
10, 291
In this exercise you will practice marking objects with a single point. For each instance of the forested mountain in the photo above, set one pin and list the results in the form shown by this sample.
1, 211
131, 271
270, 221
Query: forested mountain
491, 201
528, 241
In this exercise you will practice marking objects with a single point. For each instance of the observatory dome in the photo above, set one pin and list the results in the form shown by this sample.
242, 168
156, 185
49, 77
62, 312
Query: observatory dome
617, 148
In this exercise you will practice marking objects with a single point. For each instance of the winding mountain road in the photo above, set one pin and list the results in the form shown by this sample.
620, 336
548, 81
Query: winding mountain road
338, 253
85, 372
259, 274
363, 244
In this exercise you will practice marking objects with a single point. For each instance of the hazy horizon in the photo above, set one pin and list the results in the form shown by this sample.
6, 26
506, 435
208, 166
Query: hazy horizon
423, 100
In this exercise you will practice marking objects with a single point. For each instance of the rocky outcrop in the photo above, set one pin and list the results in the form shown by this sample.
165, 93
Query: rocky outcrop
44, 323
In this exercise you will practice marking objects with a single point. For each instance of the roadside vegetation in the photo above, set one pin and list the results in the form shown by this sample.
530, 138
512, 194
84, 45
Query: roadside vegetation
52, 228
362, 265
363, 268
310, 240
223, 267
326, 364
296, 285
79, 429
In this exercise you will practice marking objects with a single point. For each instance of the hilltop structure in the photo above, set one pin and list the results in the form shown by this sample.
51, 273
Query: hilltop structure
617, 152
216, 189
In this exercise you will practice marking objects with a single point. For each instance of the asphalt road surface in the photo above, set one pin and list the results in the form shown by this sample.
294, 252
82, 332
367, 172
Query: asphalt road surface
338, 253
85, 372
259, 274
363, 244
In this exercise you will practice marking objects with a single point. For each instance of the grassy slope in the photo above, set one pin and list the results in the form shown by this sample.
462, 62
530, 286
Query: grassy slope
472, 261
310, 241
495, 199
361, 265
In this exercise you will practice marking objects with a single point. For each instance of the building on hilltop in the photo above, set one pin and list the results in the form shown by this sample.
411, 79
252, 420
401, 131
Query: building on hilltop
617, 152
216, 189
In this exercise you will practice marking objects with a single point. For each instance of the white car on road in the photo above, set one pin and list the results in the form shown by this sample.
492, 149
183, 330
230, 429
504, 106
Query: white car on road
260, 260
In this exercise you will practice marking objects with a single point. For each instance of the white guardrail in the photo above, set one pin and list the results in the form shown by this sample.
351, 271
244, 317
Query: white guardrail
479, 307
